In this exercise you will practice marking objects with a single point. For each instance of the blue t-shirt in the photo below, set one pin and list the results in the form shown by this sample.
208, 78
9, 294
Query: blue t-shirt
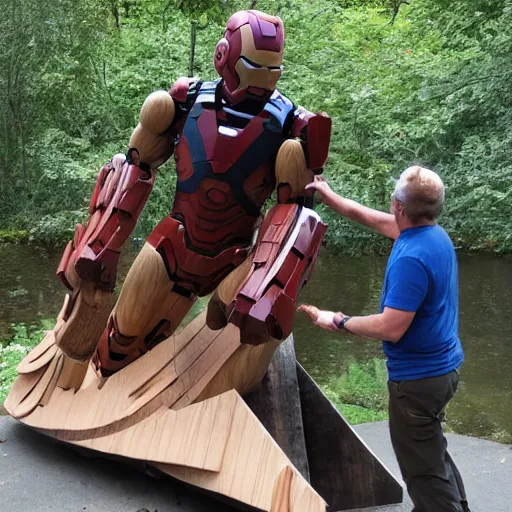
422, 276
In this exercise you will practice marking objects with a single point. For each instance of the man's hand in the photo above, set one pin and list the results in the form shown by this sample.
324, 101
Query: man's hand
321, 318
322, 187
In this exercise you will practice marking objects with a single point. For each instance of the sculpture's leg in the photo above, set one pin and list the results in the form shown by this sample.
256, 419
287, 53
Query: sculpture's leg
260, 295
147, 312
246, 367
78, 329
83, 315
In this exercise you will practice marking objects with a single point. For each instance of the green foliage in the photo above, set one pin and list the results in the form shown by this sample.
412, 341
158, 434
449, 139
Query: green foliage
55, 229
13, 236
12, 350
201, 10
361, 392
431, 88
356, 415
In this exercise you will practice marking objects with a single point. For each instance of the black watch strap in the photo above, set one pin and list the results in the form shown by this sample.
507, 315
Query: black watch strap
341, 324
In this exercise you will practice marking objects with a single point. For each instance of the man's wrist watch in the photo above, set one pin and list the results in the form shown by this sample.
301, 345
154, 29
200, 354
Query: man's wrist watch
343, 321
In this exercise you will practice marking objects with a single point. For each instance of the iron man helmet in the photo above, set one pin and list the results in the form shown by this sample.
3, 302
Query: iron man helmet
250, 55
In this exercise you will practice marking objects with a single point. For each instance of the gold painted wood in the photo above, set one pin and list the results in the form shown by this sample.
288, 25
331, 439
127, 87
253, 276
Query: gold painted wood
291, 168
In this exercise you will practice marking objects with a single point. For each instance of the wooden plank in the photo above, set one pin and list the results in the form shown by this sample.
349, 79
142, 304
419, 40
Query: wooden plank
195, 436
277, 405
40, 355
251, 466
343, 470
47, 380
281, 493
160, 377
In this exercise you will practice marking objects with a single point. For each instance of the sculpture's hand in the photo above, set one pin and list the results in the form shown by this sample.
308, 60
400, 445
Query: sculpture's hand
118, 161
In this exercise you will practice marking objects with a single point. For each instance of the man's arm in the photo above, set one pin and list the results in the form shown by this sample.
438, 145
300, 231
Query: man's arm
390, 325
381, 222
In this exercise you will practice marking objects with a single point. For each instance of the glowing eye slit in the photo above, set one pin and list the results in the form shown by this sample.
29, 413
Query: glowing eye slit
253, 65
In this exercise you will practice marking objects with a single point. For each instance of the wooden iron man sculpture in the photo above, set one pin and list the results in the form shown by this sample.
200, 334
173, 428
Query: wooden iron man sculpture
235, 140
120, 380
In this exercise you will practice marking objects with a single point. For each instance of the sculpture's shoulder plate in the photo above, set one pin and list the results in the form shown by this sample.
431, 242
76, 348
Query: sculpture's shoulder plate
184, 93
314, 131
281, 109
206, 91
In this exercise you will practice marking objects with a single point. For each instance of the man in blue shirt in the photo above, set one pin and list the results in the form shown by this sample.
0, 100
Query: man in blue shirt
418, 324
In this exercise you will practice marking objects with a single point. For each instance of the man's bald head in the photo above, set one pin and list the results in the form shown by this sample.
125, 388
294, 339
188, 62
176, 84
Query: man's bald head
421, 191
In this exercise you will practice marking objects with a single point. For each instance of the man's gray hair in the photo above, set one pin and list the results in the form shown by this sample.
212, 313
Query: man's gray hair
422, 193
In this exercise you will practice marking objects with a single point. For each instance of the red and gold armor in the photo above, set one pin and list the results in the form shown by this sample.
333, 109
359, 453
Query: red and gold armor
235, 140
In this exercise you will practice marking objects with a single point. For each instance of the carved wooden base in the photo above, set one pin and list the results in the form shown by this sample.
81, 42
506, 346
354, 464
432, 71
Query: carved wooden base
178, 408
149, 411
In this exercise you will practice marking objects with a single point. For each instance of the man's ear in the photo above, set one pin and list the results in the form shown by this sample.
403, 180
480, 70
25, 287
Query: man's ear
221, 54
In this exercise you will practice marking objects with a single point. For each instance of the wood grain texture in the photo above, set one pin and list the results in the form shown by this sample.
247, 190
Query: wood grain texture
40, 355
277, 405
217, 444
79, 334
343, 469
281, 491
157, 112
147, 290
291, 168
177, 370
231, 284
251, 467
153, 149
195, 436
46, 383
243, 371
22, 387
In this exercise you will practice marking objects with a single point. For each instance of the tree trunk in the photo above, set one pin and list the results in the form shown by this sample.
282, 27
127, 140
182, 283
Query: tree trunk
115, 12
193, 35
126, 7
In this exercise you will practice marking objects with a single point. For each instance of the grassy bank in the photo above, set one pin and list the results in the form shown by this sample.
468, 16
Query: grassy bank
360, 393
8, 236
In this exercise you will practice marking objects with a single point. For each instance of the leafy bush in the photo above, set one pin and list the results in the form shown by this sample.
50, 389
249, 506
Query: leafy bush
13, 236
12, 350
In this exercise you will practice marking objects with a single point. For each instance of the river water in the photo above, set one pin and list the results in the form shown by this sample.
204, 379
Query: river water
29, 290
